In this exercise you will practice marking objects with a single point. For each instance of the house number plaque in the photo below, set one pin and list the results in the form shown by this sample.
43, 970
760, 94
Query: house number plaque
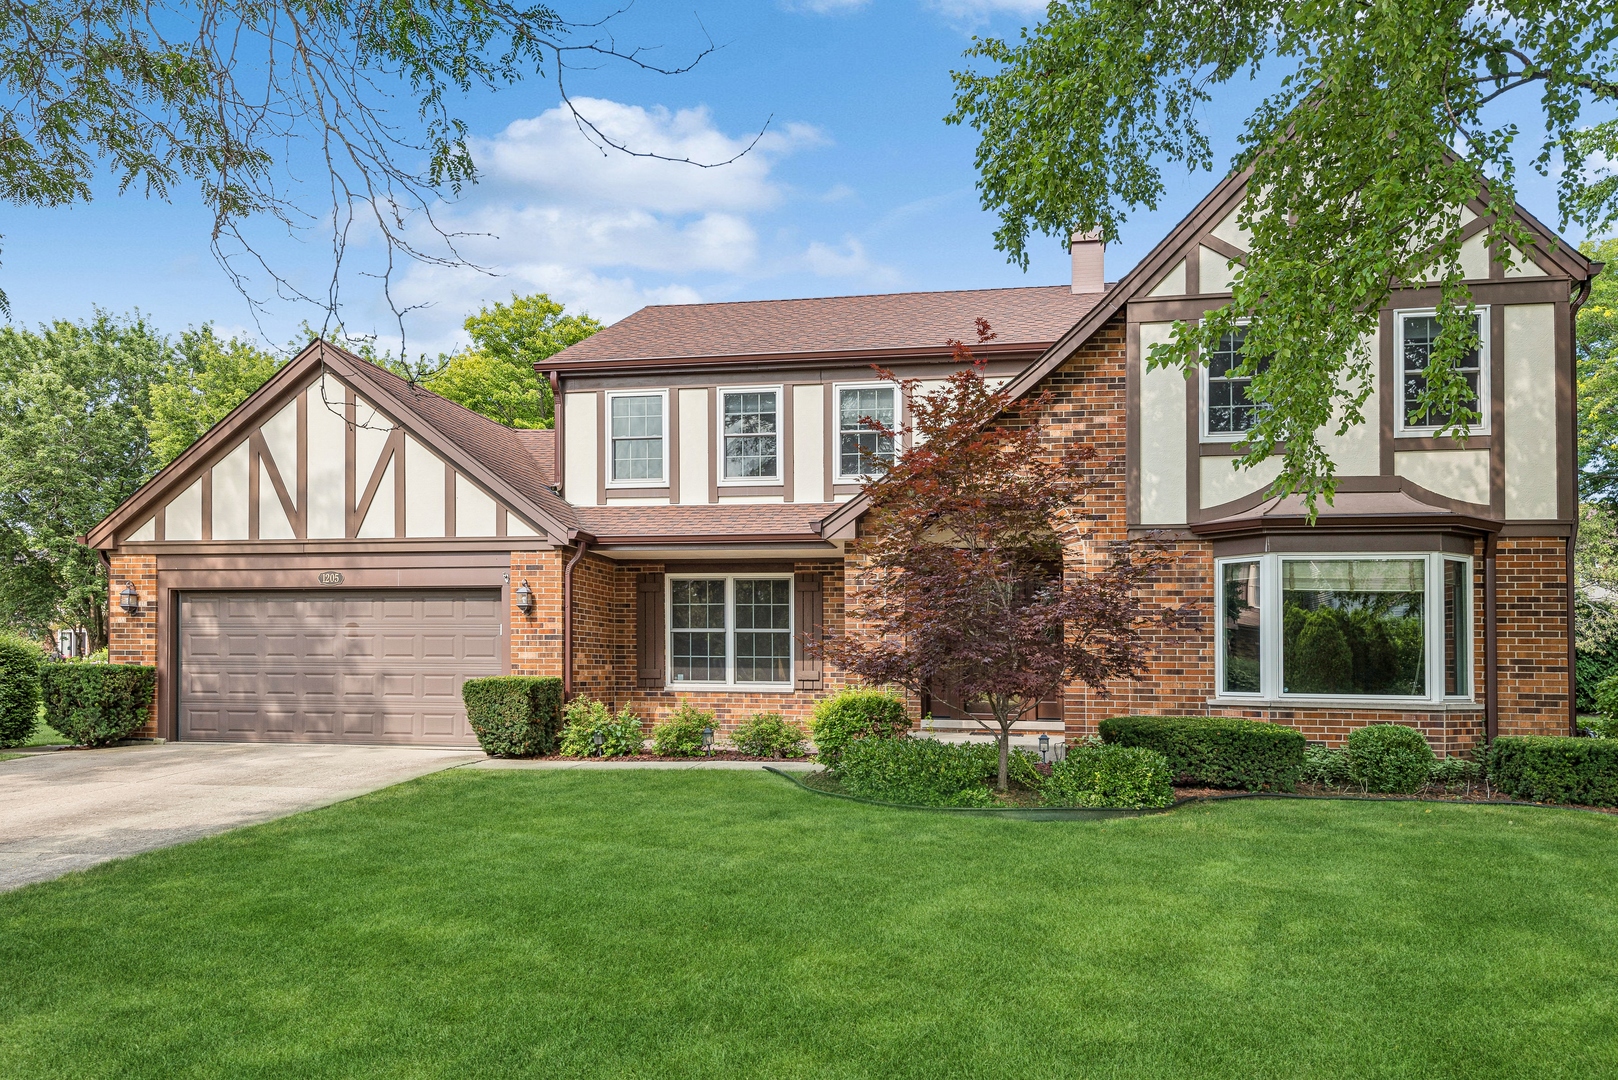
331, 577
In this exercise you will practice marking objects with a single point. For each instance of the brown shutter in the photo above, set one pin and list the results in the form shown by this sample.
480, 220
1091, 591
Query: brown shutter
810, 619
649, 636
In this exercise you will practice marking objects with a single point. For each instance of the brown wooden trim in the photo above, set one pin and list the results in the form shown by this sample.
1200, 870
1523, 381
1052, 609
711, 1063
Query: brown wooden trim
1402, 443
1540, 529
786, 457
159, 520
302, 480
1132, 444
837, 358
638, 493
351, 495
500, 520
1304, 542
399, 482
1193, 440
258, 451
712, 442
603, 448
252, 488
1498, 361
389, 449
684, 567
207, 504
1549, 290
557, 411
753, 490
1567, 453
1187, 308
1389, 383
449, 500
829, 442
1193, 266
1231, 252
671, 467
416, 561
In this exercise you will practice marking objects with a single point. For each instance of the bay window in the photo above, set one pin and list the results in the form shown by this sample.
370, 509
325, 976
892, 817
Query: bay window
1345, 626
726, 631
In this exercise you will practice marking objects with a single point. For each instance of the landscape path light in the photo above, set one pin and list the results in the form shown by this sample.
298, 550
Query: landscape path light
598, 738
1044, 746
707, 740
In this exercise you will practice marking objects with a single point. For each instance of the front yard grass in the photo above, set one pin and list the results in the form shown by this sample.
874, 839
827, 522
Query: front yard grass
723, 924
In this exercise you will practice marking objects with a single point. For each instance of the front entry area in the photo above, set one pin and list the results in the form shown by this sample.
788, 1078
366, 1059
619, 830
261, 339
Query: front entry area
382, 666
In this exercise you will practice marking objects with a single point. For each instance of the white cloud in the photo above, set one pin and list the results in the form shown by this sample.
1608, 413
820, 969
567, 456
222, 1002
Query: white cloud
607, 232
848, 261
973, 12
825, 7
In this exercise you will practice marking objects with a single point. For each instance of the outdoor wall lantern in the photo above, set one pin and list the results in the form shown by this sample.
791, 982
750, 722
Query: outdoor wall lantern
525, 598
598, 738
1044, 747
707, 740
128, 600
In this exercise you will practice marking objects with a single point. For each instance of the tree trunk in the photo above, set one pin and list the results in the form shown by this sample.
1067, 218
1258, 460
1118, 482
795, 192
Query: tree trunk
1005, 755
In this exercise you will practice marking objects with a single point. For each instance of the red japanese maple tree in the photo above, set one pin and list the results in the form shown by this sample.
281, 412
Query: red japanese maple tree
964, 593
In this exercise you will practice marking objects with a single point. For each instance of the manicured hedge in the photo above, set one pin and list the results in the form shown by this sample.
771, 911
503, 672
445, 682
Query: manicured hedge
1110, 775
96, 704
514, 715
769, 735
19, 689
851, 715
1556, 768
1219, 751
1390, 759
919, 772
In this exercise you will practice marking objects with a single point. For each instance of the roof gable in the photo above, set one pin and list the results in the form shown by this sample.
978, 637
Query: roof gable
333, 447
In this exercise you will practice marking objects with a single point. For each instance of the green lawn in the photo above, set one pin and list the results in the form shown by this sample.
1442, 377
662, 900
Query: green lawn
45, 735
644, 923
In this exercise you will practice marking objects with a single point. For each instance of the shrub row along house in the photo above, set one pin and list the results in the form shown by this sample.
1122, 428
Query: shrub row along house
337, 556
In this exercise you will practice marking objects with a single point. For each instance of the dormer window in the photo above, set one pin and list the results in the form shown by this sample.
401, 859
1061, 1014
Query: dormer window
638, 433
1417, 336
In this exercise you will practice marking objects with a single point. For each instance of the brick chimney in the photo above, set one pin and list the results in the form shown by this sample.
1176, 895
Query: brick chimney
1089, 263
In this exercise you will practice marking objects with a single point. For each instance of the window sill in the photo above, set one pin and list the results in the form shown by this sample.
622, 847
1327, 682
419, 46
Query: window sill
1364, 704
732, 688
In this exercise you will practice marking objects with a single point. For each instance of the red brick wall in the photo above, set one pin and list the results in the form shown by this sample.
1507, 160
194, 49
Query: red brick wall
133, 639
536, 639
1531, 601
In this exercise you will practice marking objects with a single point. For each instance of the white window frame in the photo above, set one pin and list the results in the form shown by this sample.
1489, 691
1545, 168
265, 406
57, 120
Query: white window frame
612, 480
1204, 378
780, 437
1270, 615
837, 424
1485, 373
730, 681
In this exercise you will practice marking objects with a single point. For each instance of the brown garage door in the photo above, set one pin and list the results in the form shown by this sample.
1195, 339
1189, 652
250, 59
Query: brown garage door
359, 667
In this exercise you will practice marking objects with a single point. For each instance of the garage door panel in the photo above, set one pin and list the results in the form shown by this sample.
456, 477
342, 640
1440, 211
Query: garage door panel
377, 667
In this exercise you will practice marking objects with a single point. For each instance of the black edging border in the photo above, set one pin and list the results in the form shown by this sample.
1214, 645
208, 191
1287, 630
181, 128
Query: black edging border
1069, 813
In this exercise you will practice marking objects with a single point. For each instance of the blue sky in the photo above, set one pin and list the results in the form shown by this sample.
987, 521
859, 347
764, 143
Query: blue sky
858, 186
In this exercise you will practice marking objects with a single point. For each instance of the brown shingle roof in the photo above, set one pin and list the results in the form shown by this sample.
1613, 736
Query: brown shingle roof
763, 521
1033, 316
541, 443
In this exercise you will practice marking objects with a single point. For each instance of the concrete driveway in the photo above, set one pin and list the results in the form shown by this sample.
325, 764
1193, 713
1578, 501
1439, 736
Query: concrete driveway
65, 810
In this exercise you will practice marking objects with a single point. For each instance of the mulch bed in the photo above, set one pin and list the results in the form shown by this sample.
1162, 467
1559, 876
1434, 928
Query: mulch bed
717, 755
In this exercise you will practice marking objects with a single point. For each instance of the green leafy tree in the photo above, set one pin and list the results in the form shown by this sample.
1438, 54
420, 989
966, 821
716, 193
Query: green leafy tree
204, 380
1377, 132
1598, 380
73, 445
496, 376
222, 96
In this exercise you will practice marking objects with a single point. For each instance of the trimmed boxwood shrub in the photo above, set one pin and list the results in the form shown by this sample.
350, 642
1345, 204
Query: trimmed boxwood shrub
1556, 768
681, 734
770, 735
96, 704
851, 715
514, 715
1389, 759
19, 689
1110, 775
1218, 751
584, 716
919, 772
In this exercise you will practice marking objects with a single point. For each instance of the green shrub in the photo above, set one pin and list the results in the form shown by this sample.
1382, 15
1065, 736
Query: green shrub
919, 772
1592, 667
1454, 772
1600, 727
851, 715
681, 734
19, 689
1218, 751
1110, 775
96, 704
1606, 697
1389, 758
1556, 768
584, 716
770, 735
514, 715
1324, 765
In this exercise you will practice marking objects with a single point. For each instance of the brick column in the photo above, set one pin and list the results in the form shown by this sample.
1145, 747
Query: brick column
132, 639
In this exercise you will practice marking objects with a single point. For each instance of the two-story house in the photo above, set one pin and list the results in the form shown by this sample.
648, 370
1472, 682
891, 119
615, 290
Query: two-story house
338, 555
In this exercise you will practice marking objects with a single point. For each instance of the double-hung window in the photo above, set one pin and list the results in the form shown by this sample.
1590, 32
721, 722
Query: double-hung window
862, 447
1228, 408
638, 434
1345, 626
751, 435
731, 631
1416, 337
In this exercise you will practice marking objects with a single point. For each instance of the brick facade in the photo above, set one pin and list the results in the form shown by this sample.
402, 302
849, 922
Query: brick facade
132, 639
536, 638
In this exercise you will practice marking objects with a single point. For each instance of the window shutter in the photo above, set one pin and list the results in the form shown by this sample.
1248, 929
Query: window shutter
649, 636
810, 627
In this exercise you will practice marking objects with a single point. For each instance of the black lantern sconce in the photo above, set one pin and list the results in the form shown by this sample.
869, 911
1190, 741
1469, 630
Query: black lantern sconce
128, 600
707, 740
525, 598
1044, 747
